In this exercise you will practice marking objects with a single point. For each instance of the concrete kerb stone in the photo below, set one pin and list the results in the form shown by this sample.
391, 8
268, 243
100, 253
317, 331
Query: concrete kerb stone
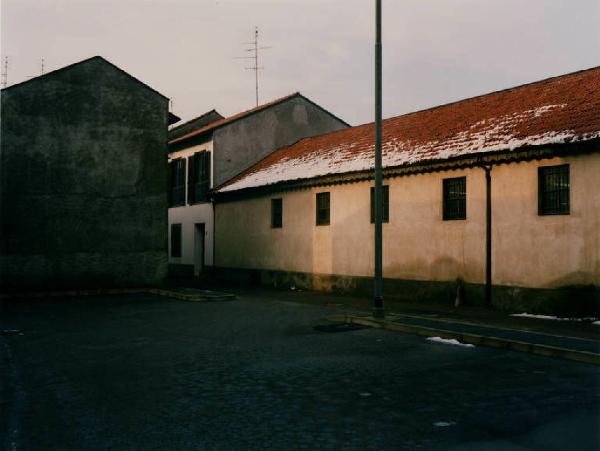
202, 296
493, 342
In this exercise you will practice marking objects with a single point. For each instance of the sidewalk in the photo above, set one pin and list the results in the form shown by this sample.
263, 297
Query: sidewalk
573, 340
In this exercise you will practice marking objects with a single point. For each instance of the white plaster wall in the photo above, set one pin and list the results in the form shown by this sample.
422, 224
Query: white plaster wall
528, 250
189, 215
546, 251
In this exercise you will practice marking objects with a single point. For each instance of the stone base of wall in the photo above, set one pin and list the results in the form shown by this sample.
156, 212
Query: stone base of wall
25, 273
180, 271
564, 301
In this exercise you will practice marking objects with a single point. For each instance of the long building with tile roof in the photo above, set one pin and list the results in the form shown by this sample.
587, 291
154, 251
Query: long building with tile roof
491, 199
554, 111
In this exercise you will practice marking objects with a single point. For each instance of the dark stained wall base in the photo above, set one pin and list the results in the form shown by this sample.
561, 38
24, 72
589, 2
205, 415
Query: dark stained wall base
564, 301
181, 271
81, 270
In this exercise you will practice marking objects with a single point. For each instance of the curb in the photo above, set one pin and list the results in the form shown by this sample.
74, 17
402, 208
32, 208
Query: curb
71, 293
492, 342
214, 296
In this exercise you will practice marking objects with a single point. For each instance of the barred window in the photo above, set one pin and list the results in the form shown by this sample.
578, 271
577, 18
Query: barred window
385, 212
322, 208
276, 213
553, 190
175, 240
455, 198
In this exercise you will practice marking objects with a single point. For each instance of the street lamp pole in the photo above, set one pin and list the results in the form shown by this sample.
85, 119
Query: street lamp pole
378, 310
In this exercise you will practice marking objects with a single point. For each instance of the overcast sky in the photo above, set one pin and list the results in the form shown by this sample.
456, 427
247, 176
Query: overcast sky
434, 51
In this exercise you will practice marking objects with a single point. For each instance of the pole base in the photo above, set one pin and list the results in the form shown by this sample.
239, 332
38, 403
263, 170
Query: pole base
378, 310
378, 313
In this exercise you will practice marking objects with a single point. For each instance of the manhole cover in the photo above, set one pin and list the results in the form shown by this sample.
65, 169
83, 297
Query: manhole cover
338, 327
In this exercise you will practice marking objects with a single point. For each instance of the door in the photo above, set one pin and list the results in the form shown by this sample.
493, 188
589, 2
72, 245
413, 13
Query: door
198, 249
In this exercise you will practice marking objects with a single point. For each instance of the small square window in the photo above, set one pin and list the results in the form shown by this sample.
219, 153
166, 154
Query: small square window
276, 213
385, 214
322, 208
455, 198
553, 190
175, 240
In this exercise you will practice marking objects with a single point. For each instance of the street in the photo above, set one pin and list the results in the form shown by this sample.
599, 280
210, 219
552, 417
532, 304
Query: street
146, 372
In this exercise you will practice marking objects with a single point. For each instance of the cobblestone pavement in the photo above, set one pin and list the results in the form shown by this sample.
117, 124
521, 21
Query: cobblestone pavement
144, 372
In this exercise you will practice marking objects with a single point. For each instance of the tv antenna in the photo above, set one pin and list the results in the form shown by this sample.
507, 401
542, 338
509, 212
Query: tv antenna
5, 72
41, 70
253, 49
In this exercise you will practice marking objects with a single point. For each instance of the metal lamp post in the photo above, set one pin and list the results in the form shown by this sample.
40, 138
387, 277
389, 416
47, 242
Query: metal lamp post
378, 309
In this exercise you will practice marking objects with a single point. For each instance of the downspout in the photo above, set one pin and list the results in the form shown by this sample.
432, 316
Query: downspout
214, 246
488, 235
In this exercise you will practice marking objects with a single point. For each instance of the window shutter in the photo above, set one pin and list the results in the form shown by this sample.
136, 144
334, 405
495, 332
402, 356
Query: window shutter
170, 183
191, 179
201, 177
208, 171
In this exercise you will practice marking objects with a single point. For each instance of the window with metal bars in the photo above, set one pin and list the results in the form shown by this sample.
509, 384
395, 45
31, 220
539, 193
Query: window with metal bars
553, 190
276, 213
455, 198
198, 177
322, 208
175, 240
177, 182
385, 212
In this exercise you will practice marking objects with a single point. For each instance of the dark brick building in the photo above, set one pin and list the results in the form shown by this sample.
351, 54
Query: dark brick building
83, 175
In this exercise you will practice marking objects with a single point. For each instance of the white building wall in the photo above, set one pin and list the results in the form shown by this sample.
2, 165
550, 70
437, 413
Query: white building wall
190, 215
528, 250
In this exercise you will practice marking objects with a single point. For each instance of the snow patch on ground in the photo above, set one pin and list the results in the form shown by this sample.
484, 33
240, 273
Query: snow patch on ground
450, 341
555, 318
444, 424
597, 323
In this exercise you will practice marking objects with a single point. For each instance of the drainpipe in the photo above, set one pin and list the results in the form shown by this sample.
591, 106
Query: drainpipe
214, 236
488, 235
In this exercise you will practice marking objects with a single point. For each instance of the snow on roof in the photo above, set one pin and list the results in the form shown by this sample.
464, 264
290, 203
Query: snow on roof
552, 111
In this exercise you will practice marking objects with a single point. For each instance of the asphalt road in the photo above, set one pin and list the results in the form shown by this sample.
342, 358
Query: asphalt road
148, 373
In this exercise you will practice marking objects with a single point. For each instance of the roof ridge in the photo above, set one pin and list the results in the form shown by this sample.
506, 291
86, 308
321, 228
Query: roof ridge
443, 105
555, 110
69, 66
498, 91
234, 117
196, 118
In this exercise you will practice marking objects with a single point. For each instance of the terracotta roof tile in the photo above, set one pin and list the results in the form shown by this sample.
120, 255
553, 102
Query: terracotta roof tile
552, 111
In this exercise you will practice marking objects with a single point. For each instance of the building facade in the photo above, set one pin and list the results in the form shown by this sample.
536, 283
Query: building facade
207, 156
499, 191
82, 173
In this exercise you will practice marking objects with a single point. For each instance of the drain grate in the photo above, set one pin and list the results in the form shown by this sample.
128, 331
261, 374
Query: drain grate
339, 327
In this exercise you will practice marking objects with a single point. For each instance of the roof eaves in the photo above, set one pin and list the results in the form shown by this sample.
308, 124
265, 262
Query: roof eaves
526, 153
